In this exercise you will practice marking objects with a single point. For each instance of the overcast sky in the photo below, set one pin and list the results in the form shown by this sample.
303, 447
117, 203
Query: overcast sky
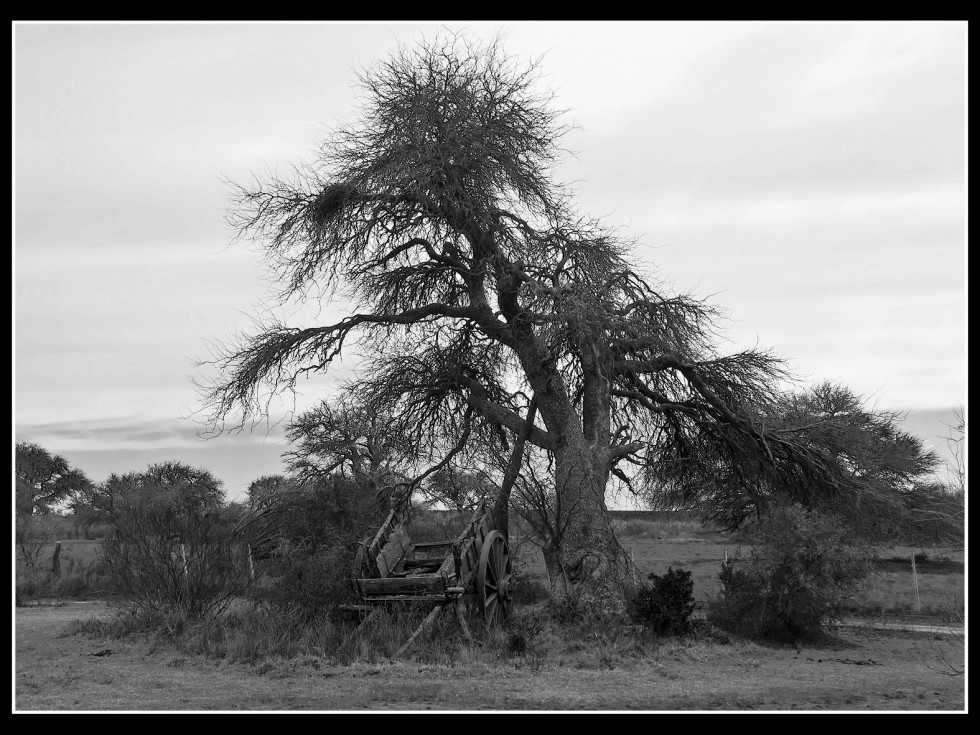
807, 177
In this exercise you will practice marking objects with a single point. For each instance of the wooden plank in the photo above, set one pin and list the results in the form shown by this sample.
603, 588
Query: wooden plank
381, 537
370, 616
421, 564
414, 599
422, 585
425, 624
478, 514
378, 541
437, 551
468, 561
393, 551
462, 622
448, 567
428, 544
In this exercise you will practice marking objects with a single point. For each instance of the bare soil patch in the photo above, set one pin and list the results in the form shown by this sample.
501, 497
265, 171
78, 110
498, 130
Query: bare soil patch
861, 669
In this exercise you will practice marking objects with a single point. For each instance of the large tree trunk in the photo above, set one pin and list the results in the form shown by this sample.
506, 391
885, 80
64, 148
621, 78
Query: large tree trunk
590, 570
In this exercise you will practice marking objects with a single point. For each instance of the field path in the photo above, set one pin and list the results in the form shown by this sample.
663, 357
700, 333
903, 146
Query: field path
864, 670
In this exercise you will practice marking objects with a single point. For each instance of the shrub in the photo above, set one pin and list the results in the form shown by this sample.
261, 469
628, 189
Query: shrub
309, 545
33, 535
310, 583
166, 557
796, 578
527, 590
666, 604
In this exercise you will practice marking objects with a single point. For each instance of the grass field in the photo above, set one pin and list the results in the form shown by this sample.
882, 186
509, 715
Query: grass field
856, 670
598, 670
656, 545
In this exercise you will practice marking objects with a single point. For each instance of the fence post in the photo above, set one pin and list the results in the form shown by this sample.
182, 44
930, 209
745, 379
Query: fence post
187, 579
915, 584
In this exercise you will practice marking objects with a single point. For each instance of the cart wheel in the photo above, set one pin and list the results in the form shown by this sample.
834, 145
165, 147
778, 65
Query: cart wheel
493, 578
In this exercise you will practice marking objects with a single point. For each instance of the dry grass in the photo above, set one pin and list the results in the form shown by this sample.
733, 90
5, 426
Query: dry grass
254, 660
528, 666
659, 543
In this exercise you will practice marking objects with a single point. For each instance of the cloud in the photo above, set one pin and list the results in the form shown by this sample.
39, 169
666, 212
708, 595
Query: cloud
809, 176
134, 433
748, 119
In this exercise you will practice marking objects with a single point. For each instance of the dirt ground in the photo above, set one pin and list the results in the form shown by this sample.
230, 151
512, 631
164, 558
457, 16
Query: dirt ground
861, 669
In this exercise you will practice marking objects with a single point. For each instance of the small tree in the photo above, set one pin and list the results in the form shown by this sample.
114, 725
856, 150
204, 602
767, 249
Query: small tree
802, 567
346, 438
32, 534
460, 489
666, 604
173, 548
308, 533
265, 490
883, 490
42, 479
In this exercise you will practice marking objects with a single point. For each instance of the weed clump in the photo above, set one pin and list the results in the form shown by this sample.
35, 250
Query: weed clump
665, 605
797, 578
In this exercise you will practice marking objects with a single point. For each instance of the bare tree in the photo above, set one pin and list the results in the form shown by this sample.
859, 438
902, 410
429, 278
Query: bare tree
461, 489
475, 286
956, 443
343, 436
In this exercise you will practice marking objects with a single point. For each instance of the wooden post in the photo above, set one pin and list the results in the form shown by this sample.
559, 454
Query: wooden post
915, 584
187, 580
56, 559
425, 624
462, 621
375, 611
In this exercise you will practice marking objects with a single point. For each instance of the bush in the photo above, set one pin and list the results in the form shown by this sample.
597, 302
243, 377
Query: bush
527, 590
165, 557
309, 544
33, 535
666, 604
310, 584
796, 579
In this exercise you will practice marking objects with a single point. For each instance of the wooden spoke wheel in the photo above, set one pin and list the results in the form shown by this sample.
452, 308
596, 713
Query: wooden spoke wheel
493, 578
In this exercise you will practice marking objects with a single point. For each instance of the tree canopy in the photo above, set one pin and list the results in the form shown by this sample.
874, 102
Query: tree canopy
344, 436
879, 467
476, 288
177, 490
42, 479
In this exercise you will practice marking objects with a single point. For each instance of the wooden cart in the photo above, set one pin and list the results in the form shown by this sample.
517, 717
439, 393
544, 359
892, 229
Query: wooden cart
390, 568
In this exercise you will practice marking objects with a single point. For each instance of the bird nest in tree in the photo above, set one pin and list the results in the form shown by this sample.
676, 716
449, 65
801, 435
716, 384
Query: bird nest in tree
330, 201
